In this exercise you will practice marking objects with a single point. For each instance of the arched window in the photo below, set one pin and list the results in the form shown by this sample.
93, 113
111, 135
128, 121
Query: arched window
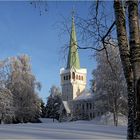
90, 105
73, 75
64, 77
79, 77
69, 77
83, 106
76, 76
82, 78
87, 106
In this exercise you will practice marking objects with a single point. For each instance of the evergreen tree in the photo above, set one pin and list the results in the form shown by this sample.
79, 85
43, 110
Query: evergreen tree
43, 109
54, 103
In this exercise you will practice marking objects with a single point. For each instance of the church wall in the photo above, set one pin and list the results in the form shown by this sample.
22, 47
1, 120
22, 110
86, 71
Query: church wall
83, 109
66, 92
73, 83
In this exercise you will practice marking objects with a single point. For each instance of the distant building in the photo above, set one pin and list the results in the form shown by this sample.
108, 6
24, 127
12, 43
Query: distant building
77, 101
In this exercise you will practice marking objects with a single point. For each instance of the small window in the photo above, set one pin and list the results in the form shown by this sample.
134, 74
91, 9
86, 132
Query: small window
76, 76
73, 75
93, 115
83, 106
64, 77
90, 105
69, 77
90, 115
82, 78
79, 77
87, 105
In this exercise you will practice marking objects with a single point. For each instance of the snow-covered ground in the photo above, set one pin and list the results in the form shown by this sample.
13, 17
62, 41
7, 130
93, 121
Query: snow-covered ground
109, 120
68, 130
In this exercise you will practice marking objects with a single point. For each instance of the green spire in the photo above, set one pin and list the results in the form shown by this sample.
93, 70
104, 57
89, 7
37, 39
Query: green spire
73, 57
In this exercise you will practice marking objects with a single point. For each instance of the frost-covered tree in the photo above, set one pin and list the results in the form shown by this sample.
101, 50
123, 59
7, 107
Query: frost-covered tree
53, 103
43, 109
130, 56
6, 98
111, 91
22, 84
6, 106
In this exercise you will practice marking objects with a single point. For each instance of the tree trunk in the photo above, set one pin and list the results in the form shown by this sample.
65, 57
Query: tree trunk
125, 58
115, 112
138, 110
135, 57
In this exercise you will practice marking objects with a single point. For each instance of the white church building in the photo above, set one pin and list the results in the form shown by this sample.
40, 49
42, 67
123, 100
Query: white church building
77, 101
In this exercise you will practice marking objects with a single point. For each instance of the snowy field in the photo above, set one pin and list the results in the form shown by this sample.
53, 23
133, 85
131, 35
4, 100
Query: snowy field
68, 130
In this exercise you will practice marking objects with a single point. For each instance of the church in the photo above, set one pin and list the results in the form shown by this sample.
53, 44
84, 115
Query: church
77, 101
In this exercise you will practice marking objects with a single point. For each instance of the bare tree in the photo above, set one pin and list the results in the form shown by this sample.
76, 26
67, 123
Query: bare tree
130, 56
100, 30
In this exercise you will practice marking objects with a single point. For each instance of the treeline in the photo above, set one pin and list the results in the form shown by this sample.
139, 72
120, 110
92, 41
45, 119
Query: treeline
19, 101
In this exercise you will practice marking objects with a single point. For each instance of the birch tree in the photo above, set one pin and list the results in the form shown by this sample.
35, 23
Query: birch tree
130, 56
111, 93
6, 98
22, 85
129, 46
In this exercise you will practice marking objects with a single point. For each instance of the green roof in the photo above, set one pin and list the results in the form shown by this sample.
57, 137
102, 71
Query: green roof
73, 56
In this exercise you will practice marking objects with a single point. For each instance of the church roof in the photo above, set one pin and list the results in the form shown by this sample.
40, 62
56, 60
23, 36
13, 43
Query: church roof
86, 95
73, 56
66, 106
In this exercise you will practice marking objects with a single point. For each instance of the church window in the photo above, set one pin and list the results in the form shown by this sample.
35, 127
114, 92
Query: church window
90, 115
90, 105
87, 105
79, 77
64, 77
67, 77
83, 106
82, 78
76, 106
73, 75
76, 76
93, 115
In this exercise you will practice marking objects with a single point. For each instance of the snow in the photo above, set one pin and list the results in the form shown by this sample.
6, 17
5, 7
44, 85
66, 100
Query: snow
65, 103
84, 96
48, 120
108, 119
67, 130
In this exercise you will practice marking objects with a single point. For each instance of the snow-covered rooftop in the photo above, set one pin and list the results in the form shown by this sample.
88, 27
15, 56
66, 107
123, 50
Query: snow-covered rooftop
84, 96
65, 103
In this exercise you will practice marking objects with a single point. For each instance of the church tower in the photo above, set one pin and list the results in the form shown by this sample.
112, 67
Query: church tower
73, 77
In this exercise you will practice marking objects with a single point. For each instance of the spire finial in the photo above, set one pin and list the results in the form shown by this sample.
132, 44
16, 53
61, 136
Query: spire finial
73, 11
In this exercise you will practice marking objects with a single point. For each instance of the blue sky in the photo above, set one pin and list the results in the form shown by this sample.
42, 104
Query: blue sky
24, 31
